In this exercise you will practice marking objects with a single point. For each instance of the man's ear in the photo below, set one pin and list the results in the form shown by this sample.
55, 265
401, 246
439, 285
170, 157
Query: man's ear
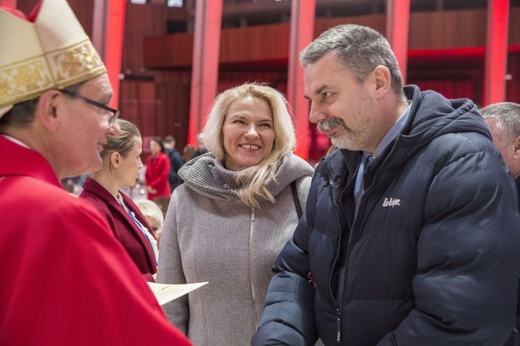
48, 110
516, 153
382, 80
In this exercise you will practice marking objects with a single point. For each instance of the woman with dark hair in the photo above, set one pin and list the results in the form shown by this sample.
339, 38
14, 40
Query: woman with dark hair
121, 164
157, 171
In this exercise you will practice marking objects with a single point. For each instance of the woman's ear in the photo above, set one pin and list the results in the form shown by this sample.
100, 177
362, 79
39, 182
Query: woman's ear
115, 159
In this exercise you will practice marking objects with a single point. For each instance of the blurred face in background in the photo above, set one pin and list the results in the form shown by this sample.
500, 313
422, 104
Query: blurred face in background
155, 148
247, 133
507, 145
156, 227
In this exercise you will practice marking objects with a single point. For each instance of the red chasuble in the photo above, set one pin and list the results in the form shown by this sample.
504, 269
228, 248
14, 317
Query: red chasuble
64, 278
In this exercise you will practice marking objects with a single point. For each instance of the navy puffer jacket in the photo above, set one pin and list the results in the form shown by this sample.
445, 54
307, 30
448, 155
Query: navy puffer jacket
432, 256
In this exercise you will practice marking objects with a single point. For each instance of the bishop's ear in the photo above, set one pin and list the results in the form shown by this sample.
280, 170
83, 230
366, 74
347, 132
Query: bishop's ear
49, 110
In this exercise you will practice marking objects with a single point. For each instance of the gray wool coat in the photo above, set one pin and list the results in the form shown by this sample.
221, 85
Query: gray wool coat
210, 235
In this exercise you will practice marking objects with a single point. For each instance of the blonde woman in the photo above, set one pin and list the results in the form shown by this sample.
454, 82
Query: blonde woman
235, 211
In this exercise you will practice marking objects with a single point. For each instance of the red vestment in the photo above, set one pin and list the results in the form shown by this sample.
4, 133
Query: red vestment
65, 279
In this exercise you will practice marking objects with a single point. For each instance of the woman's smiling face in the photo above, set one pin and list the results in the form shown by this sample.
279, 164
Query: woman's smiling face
247, 133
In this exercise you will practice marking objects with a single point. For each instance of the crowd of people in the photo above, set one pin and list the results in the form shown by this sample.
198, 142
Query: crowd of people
406, 233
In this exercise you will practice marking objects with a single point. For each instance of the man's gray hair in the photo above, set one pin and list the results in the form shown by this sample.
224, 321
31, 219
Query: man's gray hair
508, 118
359, 48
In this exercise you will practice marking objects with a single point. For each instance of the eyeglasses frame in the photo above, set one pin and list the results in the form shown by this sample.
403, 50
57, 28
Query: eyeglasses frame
115, 112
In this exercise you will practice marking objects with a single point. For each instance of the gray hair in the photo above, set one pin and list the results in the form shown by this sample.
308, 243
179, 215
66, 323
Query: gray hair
508, 118
359, 48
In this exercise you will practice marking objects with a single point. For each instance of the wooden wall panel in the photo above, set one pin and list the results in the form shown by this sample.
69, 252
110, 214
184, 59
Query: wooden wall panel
448, 29
513, 85
256, 43
229, 79
173, 89
168, 51
376, 22
139, 104
143, 21
450, 88
83, 9
514, 26
176, 108
428, 30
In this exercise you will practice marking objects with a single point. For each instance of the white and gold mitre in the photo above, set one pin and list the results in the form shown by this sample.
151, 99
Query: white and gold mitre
49, 50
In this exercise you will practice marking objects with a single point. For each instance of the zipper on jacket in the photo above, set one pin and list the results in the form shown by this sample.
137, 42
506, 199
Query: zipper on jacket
343, 271
338, 335
251, 264
340, 218
341, 221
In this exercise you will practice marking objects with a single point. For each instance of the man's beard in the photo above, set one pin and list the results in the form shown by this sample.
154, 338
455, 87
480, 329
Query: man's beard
327, 125
341, 140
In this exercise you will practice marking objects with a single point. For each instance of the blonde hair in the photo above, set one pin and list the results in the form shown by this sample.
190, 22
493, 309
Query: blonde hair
251, 181
151, 209
124, 142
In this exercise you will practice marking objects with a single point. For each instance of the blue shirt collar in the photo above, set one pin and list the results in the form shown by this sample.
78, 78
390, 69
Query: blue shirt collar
391, 134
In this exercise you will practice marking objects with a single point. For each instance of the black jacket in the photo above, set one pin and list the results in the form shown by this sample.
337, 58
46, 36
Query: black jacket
176, 163
432, 256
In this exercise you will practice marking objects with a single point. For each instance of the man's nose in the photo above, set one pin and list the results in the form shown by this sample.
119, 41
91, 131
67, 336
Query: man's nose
316, 113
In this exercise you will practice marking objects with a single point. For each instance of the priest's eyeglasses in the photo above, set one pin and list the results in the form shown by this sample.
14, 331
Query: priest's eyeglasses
115, 112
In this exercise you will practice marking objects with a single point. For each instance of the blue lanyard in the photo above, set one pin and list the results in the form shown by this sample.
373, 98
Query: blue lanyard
141, 227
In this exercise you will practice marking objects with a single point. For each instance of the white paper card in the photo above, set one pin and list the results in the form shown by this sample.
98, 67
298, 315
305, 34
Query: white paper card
166, 292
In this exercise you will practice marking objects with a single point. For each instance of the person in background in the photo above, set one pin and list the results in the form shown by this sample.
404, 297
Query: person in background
66, 280
153, 214
157, 171
201, 146
503, 119
411, 232
188, 153
237, 208
121, 163
175, 161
